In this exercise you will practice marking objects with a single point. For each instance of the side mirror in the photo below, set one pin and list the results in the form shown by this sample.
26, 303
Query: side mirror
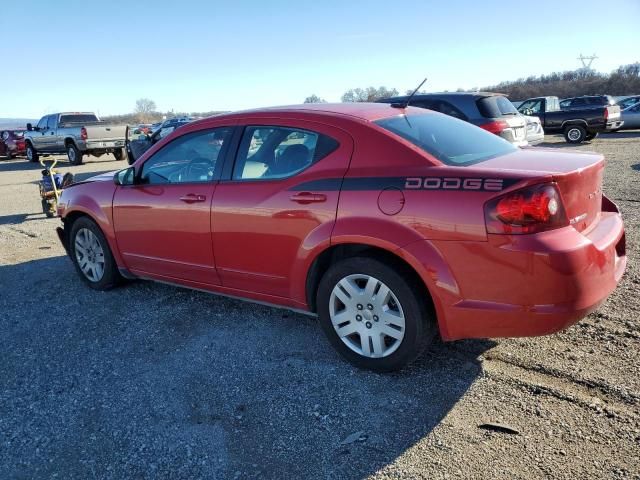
29, 127
125, 177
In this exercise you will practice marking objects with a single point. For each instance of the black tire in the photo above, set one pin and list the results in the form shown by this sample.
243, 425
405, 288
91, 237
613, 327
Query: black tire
575, 134
8, 154
120, 154
420, 326
74, 154
111, 277
31, 153
591, 136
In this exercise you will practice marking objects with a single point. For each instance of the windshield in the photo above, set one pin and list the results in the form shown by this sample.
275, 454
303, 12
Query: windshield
452, 141
78, 118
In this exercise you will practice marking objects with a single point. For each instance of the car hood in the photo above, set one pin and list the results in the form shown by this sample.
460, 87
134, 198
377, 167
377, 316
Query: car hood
102, 177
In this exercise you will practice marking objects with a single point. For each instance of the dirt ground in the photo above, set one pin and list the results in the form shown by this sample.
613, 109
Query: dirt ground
152, 381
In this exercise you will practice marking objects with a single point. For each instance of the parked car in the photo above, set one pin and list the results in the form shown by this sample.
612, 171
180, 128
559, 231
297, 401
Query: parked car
490, 111
391, 224
535, 132
137, 141
577, 124
628, 101
12, 143
77, 134
631, 117
585, 101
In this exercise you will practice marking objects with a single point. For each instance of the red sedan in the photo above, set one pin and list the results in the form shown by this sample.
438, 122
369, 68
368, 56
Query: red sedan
12, 143
391, 224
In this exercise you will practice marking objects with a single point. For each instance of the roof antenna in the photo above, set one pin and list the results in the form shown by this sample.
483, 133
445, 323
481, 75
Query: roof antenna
408, 101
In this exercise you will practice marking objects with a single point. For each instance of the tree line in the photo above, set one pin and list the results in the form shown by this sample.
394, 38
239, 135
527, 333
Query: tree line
625, 80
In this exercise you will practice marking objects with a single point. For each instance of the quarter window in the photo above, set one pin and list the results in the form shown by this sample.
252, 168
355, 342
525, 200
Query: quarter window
191, 158
270, 152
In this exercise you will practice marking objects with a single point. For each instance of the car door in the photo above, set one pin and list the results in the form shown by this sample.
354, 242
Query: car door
51, 135
38, 136
163, 221
631, 117
283, 190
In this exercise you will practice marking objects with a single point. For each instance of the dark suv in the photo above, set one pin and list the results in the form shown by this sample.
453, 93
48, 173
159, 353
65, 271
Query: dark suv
587, 101
491, 111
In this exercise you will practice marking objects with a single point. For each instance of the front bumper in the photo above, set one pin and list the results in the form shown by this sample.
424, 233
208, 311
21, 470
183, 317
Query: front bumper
528, 285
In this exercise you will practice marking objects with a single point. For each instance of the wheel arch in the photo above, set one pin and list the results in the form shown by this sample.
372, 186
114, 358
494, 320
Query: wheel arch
577, 121
402, 259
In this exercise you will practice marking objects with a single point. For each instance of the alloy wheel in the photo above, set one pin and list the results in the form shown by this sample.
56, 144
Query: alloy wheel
89, 254
367, 316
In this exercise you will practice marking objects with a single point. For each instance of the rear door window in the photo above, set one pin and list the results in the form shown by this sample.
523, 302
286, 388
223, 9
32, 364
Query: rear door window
272, 152
495, 106
452, 141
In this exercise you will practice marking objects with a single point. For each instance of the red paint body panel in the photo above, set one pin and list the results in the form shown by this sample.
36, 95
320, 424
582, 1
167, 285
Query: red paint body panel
254, 240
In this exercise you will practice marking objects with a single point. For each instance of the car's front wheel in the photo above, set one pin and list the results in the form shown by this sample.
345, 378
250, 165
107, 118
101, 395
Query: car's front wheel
32, 155
92, 256
372, 315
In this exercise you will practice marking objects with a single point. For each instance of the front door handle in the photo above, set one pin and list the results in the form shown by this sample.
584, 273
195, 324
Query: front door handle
192, 198
308, 197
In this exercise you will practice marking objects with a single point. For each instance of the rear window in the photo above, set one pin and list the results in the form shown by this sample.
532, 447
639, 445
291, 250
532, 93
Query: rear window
495, 106
78, 118
452, 141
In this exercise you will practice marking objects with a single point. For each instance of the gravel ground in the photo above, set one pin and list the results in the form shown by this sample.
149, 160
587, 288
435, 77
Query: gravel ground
152, 381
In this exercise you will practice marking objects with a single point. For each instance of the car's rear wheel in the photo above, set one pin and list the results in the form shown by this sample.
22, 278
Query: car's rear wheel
372, 315
119, 154
32, 155
74, 154
92, 256
575, 134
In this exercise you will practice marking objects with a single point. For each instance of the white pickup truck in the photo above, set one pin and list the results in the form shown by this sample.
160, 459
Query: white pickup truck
76, 134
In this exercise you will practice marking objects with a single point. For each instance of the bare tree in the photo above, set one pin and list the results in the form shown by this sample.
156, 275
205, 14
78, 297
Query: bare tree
371, 94
314, 99
144, 108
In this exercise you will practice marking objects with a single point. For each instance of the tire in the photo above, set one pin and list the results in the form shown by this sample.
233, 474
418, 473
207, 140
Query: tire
591, 136
8, 154
120, 154
31, 153
575, 134
84, 232
371, 318
74, 155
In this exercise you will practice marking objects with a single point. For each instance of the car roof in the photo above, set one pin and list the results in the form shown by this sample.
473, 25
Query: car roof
447, 94
361, 111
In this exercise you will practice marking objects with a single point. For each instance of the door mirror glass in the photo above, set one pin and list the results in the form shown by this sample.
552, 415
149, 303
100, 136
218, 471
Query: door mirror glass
125, 177
29, 127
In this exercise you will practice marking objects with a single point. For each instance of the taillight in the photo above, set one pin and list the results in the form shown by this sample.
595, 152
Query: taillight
496, 126
83, 133
528, 210
606, 113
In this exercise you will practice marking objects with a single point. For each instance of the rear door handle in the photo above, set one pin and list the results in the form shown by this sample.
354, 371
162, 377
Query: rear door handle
308, 197
192, 198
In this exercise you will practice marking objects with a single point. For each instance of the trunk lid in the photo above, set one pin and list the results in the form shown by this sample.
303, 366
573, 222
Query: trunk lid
612, 112
577, 175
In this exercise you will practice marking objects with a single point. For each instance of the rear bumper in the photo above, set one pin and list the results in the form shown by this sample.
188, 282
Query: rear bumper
528, 285
106, 144
615, 125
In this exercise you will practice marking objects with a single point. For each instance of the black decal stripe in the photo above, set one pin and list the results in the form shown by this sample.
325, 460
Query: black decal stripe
380, 183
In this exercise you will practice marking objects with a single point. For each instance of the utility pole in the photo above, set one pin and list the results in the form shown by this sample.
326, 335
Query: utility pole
587, 61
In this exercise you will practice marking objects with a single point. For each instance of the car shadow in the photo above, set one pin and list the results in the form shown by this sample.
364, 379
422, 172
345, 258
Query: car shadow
195, 385
636, 166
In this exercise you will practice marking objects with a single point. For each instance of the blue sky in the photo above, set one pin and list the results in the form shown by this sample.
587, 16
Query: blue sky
211, 55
